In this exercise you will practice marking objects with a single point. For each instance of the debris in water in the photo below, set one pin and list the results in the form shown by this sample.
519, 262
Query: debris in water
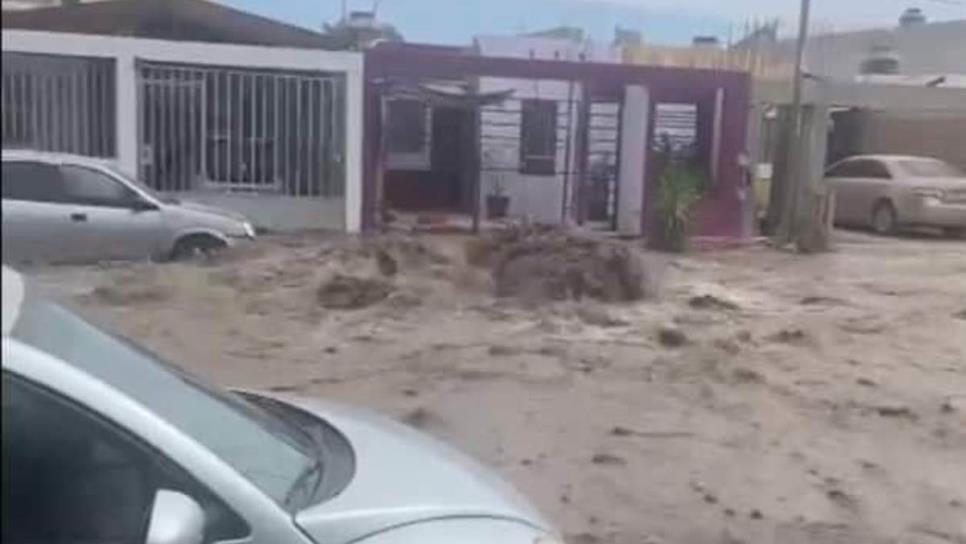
386, 263
132, 288
711, 302
819, 299
607, 459
728, 345
747, 375
789, 336
342, 292
897, 411
621, 431
599, 317
671, 337
498, 350
421, 418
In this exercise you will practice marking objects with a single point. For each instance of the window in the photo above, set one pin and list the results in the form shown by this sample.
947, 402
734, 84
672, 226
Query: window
841, 170
859, 168
86, 186
930, 169
676, 129
407, 126
870, 169
82, 479
538, 138
31, 181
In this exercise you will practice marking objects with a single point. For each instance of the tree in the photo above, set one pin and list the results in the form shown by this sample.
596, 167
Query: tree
361, 30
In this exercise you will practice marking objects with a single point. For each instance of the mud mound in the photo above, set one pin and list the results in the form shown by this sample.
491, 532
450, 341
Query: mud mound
344, 292
553, 264
483, 251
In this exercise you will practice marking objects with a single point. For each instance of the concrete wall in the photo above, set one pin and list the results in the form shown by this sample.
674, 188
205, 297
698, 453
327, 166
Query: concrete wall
540, 198
127, 51
278, 213
937, 135
935, 48
635, 118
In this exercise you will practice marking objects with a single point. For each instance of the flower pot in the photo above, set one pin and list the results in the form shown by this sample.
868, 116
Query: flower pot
497, 206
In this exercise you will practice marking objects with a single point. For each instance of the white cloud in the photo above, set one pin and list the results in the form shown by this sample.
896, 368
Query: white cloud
835, 14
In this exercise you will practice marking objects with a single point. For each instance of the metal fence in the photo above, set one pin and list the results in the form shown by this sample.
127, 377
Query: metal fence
502, 134
603, 155
676, 125
59, 103
241, 130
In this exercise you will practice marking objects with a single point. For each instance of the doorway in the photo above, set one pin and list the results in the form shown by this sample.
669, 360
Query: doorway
428, 157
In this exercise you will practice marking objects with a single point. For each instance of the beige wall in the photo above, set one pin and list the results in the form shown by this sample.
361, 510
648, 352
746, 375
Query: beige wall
756, 63
939, 136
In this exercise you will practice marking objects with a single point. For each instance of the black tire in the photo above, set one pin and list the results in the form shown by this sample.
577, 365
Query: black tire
884, 219
196, 245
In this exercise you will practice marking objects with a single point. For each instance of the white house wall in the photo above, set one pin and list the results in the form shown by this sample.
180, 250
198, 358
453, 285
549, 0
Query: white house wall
126, 51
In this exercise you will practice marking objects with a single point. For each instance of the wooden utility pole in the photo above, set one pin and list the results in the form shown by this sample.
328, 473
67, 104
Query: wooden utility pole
794, 179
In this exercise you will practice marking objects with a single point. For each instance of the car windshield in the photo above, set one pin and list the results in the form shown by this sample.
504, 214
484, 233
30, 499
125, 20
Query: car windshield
133, 180
930, 169
273, 455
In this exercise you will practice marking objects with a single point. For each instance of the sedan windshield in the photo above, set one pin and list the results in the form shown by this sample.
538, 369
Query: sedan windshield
167, 199
930, 169
272, 454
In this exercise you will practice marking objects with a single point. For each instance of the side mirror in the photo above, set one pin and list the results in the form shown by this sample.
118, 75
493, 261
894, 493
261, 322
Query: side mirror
175, 519
141, 205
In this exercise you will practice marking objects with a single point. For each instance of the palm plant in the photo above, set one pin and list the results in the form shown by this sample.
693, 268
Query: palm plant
681, 185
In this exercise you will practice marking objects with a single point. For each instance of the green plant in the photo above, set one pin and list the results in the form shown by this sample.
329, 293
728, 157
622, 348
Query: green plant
680, 187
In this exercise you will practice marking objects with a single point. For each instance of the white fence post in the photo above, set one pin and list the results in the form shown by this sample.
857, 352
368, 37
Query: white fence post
127, 113
354, 127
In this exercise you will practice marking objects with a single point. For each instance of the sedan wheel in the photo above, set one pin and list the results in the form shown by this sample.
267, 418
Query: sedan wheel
196, 246
884, 220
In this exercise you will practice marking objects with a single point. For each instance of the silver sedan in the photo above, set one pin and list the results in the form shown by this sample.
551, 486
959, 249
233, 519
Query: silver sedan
104, 442
64, 208
889, 192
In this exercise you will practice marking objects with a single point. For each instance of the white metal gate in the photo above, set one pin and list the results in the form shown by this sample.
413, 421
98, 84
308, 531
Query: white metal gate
203, 127
59, 103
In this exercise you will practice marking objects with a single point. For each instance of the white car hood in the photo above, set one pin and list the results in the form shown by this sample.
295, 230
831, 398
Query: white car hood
403, 476
204, 208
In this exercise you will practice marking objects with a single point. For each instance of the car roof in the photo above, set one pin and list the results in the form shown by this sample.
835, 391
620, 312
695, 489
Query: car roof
889, 158
30, 154
12, 298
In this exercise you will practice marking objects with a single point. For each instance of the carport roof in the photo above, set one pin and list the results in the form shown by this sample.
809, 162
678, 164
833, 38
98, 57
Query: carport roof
181, 20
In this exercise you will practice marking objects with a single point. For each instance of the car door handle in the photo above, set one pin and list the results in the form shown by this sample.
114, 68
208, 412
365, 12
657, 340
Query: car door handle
78, 217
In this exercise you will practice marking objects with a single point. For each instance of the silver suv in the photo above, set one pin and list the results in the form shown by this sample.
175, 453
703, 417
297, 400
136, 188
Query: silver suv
68, 208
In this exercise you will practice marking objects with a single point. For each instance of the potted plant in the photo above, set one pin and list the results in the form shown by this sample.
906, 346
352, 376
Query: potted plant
497, 202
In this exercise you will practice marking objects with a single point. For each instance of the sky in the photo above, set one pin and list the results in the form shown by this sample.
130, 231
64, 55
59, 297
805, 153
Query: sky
660, 21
